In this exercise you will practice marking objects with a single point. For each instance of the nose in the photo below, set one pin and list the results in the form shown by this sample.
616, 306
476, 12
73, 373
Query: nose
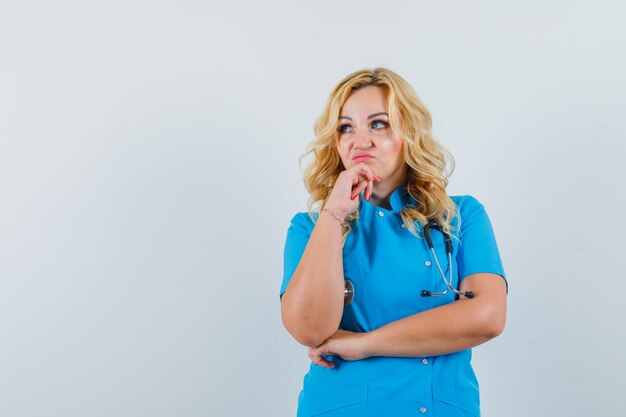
362, 139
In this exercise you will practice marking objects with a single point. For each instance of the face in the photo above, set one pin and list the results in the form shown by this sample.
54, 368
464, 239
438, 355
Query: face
365, 135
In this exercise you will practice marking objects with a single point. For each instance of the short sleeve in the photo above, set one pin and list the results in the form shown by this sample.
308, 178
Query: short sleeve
478, 250
298, 235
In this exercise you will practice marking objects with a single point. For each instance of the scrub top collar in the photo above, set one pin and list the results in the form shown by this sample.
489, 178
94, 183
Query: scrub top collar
398, 199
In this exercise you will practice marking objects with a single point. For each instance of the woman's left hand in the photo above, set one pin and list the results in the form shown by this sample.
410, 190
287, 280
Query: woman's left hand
345, 344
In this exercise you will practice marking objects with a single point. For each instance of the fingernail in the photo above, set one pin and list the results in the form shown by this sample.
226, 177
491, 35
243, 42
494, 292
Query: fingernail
378, 178
368, 198
353, 197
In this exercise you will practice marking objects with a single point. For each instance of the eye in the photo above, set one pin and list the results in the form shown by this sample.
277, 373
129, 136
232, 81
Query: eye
379, 124
344, 128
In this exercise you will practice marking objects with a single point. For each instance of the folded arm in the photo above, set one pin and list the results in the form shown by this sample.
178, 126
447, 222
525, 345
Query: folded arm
453, 327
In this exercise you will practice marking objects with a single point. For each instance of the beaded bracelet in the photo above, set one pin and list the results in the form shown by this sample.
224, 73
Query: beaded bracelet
334, 215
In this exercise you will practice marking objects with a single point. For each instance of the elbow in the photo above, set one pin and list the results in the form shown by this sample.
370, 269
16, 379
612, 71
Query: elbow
305, 330
308, 335
494, 328
491, 322
309, 338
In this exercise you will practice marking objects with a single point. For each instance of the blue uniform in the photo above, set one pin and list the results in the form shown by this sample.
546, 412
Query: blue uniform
389, 267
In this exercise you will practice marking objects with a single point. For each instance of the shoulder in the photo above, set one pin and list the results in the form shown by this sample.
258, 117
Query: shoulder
303, 222
469, 211
466, 204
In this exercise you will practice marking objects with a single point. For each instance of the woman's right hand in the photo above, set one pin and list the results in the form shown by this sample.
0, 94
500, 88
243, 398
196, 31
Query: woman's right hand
349, 184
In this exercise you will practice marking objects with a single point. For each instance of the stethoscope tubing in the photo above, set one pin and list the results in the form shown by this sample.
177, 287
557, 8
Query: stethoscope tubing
448, 243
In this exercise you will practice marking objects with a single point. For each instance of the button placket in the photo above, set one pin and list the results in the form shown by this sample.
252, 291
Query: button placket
425, 362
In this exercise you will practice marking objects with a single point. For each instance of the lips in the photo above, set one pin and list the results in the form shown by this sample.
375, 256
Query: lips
361, 157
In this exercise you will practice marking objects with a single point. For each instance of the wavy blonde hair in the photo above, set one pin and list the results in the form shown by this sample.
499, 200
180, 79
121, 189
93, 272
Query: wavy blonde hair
427, 160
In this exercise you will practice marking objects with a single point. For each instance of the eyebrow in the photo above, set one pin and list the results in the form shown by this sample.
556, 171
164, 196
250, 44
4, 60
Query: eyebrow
382, 113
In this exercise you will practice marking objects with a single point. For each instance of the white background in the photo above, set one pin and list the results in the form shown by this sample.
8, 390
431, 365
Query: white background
149, 169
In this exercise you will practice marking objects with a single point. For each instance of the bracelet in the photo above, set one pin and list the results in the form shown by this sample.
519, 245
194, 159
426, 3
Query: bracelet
334, 215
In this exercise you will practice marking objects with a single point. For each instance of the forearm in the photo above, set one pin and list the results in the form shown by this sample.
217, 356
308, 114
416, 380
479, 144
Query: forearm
312, 304
450, 328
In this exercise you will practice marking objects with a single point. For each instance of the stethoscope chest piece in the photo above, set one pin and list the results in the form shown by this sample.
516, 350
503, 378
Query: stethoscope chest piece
348, 294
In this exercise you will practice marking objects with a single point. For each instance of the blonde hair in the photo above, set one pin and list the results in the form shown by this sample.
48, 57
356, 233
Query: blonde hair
427, 160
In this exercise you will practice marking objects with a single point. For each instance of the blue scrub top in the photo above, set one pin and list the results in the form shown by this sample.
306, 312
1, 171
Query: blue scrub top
389, 267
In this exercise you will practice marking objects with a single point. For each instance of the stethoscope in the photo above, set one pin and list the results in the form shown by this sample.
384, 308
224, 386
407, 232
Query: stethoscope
432, 224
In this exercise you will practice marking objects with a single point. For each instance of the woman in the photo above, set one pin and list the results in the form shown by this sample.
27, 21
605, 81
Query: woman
393, 339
